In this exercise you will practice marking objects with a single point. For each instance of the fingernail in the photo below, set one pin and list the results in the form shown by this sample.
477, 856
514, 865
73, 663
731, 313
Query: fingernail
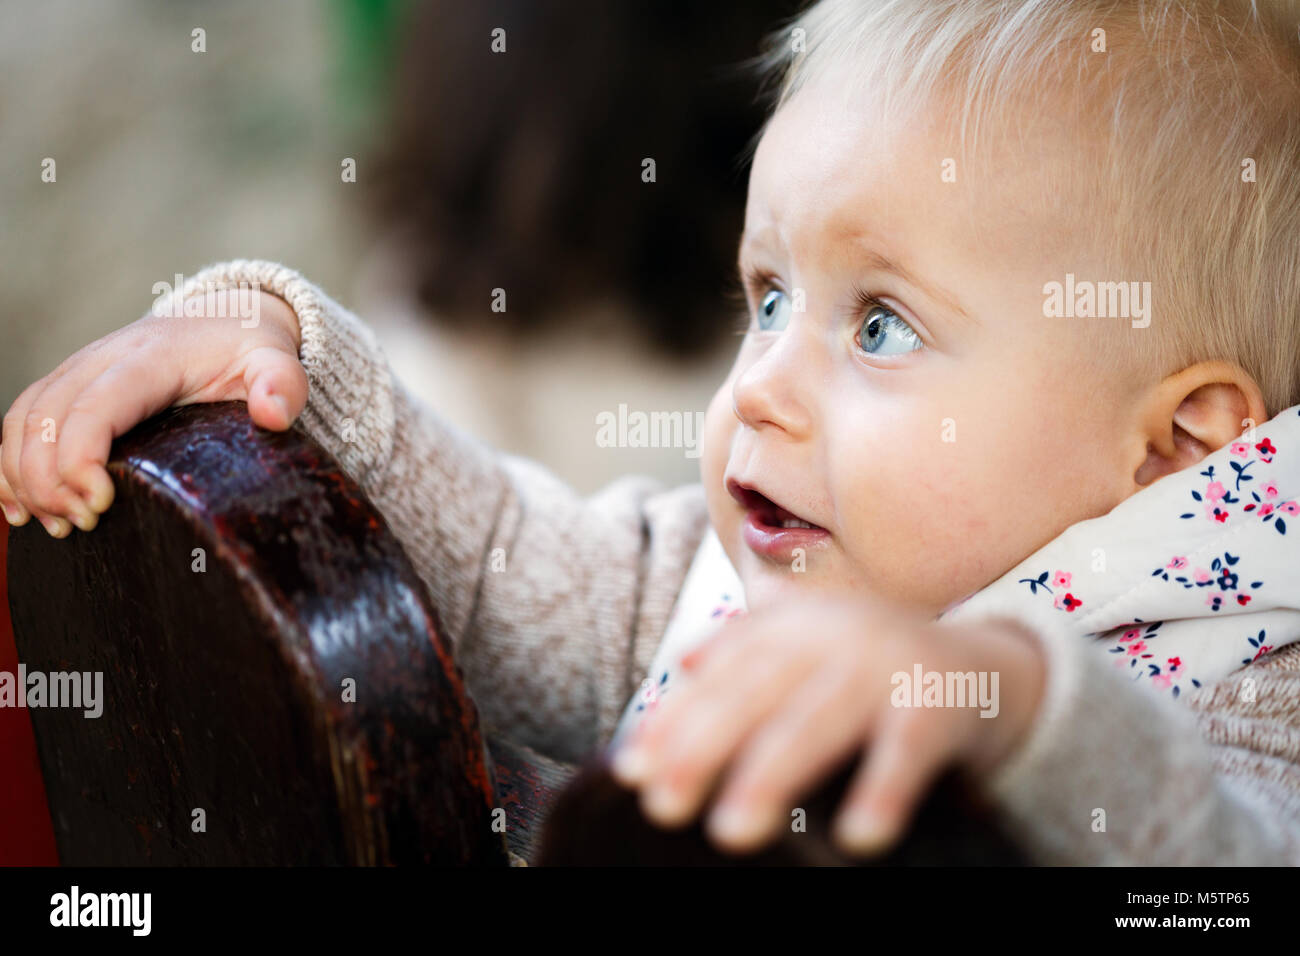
12, 515
283, 403
57, 527
735, 823
630, 765
863, 832
666, 805
101, 494
83, 521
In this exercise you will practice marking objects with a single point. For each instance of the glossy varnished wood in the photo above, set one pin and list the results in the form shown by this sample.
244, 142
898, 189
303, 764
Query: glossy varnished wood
225, 688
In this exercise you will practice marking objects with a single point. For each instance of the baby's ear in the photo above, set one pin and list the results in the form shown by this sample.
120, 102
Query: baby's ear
1195, 412
1214, 415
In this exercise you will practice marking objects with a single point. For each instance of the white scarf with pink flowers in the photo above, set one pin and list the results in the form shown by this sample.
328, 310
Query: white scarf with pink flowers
1188, 580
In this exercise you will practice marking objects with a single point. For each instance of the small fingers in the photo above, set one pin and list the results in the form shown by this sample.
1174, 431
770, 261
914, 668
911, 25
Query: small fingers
42, 488
56, 506
11, 447
14, 512
276, 385
107, 408
29, 447
727, 665
709, 727
903, 760
824, 721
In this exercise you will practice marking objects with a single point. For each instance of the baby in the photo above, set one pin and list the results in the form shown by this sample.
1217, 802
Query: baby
1015, 410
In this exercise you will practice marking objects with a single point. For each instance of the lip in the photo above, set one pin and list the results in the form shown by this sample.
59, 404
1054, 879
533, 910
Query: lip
763, 535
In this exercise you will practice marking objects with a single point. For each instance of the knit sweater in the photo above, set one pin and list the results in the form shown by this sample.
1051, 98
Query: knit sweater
555, 603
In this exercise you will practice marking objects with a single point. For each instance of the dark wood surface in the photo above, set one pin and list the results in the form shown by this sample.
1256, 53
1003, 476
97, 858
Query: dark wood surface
597, 822
224, 689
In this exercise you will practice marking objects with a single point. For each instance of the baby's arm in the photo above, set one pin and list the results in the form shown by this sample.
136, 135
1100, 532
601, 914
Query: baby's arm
1213, 779
554, 603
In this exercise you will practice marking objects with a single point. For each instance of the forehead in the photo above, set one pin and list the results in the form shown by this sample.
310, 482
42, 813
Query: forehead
835, 166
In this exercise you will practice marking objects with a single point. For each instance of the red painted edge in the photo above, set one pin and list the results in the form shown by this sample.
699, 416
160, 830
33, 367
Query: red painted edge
26, 835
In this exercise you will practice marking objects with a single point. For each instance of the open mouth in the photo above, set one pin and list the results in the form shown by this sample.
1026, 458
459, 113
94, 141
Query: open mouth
766, 511
771, 529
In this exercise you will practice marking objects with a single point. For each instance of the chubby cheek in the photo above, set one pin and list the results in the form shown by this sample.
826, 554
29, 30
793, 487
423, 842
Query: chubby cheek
720, 427
927, 525
929, 521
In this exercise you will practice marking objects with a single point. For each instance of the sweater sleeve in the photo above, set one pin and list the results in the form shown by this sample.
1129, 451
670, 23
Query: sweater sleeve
1113, 774
553, 602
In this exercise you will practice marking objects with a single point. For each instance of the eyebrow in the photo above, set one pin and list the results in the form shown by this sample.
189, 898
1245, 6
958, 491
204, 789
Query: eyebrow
872, 259
883, 263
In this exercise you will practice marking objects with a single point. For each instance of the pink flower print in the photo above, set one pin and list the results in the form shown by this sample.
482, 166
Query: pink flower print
1243, 599
1215, 512
1263, 649
1266, 450
1066, 602
1290, 507
1162, 681
1214, 600
1061, 579
1136, 648
652, 693
1201, 575
1175, 663
1177, 564
1270, 489
649, 692
1264, 509
1215, 490
1240, 449
1132, 634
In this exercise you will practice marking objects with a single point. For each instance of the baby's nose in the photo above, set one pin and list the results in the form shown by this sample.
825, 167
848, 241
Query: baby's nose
774, 390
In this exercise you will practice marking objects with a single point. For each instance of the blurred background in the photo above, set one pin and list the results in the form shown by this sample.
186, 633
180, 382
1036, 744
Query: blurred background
475, 169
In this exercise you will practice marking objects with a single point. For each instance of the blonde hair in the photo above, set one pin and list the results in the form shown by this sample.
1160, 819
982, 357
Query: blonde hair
1189, 98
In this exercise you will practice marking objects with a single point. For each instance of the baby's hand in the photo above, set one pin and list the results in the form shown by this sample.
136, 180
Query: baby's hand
781, 699
56, 436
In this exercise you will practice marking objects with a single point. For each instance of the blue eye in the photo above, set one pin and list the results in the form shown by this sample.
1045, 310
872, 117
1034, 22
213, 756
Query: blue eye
884, 333
773, 311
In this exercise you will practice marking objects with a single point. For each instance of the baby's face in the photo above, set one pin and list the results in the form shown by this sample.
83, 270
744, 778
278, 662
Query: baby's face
928, 470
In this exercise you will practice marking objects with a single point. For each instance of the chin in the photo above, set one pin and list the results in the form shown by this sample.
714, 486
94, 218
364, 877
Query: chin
769, 585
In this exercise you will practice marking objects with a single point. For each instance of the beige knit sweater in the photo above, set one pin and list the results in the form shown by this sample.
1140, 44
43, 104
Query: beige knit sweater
555, 640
